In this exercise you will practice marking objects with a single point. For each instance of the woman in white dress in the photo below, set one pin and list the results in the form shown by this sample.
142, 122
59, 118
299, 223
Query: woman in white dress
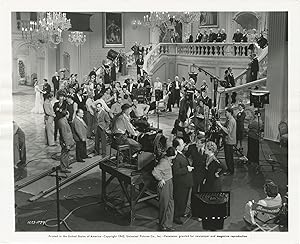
38, 104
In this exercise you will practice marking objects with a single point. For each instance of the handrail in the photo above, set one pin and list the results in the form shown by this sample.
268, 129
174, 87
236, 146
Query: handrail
245, 86
263, 54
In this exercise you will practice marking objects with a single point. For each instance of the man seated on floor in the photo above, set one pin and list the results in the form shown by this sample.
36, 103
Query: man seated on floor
122, 127
273, 199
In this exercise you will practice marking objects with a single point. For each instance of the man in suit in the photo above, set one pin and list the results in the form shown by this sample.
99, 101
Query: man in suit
196, 154
254, 67
176, 86
80, 136
237, 37
66, 142
139, 65
182, 180
102, 125
59, 107
212, 36
46, 89
55, 81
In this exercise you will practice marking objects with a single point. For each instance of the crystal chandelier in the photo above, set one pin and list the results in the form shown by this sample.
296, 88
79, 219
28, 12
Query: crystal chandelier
77, 38
156, 19
187, 17
53, 25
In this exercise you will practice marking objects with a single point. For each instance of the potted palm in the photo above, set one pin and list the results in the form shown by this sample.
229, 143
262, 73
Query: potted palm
22, 72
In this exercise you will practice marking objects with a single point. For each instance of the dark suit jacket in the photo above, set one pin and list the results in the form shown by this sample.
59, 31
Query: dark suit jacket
65, 132
59, 109
55, 81
181, 176
237, 37
254, 65
198, 159
79, 130
81, 104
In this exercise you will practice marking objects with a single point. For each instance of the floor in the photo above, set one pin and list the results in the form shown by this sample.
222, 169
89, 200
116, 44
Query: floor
246, 184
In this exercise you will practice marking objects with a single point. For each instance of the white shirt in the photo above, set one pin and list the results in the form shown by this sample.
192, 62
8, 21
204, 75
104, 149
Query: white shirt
157, 85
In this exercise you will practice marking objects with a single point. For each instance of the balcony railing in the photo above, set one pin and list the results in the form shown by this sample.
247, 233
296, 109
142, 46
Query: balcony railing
195, 50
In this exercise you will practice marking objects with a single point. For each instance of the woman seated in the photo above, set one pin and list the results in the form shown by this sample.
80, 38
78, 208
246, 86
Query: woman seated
273, 199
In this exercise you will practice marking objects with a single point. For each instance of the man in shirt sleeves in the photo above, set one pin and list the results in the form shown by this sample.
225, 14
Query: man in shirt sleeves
230, 139
182, 180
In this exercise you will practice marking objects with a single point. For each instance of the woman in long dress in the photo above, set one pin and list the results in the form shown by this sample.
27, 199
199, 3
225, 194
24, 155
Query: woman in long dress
38, 104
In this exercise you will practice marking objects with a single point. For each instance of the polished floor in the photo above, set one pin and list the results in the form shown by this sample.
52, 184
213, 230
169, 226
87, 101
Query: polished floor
246, 184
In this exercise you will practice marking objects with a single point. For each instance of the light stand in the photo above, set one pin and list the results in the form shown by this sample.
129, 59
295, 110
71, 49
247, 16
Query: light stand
57, 168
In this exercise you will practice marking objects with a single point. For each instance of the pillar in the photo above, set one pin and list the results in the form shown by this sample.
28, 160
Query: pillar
277, 79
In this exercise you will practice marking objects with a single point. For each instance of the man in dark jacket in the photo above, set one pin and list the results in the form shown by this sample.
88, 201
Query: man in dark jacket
55, 81
196, 154
80, 136
254, 67
46, 88
182, 180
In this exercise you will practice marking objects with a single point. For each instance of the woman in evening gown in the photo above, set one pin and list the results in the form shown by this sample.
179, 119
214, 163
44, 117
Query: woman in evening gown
39, 100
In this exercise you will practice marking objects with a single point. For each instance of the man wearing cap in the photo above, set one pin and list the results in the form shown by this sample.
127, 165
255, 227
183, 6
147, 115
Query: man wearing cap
121, 126
229, 129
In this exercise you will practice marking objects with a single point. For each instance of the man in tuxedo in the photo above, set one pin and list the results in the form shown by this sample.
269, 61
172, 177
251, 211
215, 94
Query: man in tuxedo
176, 87
212, 36
224, 35
80, 136
55, 81
254, 67
199, 37
66, 142
46, 88
139, 64
237, 37
182, 180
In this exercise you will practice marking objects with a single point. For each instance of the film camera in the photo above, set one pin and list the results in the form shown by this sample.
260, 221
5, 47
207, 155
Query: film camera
259, 98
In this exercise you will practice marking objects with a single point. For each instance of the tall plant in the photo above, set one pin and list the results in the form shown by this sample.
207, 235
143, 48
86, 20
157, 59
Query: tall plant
21, 69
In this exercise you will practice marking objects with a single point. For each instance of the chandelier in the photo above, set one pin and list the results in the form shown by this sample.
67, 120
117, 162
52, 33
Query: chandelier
53, 25
156, 19
159, 18
187, 17
77, 38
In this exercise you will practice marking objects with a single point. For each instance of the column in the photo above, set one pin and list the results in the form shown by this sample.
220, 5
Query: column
154, 35
277, 78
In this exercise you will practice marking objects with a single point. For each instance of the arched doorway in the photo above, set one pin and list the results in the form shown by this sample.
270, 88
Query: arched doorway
247, 20
28, 63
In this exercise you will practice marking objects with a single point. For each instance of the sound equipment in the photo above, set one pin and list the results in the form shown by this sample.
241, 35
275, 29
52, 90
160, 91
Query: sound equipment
158, 95
259, 98
212, 207
112, 54
193, 76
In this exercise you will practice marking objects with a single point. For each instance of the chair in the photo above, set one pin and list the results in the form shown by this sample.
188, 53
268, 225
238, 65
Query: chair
269, 224
283, 133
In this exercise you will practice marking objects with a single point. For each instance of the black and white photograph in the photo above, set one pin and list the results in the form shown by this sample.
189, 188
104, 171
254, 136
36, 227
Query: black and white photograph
153, 123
